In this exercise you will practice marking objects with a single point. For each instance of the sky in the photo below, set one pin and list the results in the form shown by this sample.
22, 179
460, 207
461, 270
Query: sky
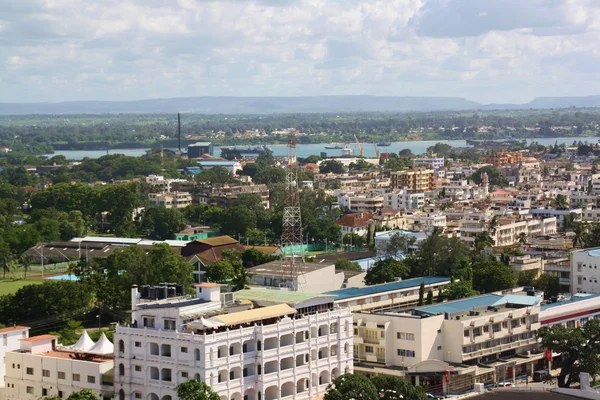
491, 51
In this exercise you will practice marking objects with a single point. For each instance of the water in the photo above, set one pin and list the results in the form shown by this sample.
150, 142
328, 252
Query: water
305, 150
65, 277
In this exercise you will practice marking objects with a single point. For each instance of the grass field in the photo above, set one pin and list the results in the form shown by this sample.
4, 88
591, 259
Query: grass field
8, 286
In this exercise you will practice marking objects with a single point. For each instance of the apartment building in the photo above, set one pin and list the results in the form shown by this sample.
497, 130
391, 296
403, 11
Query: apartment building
11, 340
584, 271
355, 223
363, 202
40, 367
448, 347
222, 195
509, 229
559, 214
259, 349
560, 267
403, 199
501, 158
421, 221
159, 183
415, 180
435, 163
171, 200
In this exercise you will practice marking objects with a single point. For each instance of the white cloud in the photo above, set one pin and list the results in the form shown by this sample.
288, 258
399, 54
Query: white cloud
486, 50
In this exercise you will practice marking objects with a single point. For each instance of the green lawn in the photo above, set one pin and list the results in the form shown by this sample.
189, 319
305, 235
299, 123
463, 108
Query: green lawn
12, 285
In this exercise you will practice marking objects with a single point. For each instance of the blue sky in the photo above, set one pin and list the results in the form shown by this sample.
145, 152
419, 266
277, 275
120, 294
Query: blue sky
483, 50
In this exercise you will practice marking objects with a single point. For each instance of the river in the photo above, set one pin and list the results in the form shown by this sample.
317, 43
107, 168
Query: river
305, 150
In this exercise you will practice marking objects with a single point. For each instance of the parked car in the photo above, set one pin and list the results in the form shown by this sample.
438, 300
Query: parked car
542, 375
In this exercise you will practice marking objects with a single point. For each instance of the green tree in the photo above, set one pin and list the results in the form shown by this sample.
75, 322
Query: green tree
458, 290
344, 264
195, 390
312, 159
560, 202
492, 276
351, 386
85, 394
527, 277
579, 348
386, 270
6, 258
580, 230
483, 240
522, 238
25, 260
161, 223
219, 272
395, 388
495, 178
70, 333
549, 284
331, 166
430, 297
215, 175
253, 257
241, 277
398, 244
421, 294
354, 239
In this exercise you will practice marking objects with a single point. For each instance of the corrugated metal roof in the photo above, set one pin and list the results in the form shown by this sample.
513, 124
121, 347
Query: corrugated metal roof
386, 287
218, 240
256, 314
461, 305
278, 296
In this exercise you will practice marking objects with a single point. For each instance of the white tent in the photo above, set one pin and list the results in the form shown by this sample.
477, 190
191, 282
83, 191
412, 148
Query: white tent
102, 347
85, 343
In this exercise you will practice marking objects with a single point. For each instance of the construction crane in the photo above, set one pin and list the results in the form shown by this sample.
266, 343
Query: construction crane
376, 150
360, 148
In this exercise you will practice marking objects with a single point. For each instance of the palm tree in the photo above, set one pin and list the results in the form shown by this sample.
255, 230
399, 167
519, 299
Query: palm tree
580, 230
545, 172
493, 225
560, 202
522, 238
482, 241
241, 278
25, 261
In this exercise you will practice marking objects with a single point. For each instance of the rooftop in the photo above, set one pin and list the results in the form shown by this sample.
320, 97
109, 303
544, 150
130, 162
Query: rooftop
575, 298
217, 162
256, 314
479, 303
279, 266
75, 356
591, 252
278, 296
39, 338
14, 328
218, 241
349, 293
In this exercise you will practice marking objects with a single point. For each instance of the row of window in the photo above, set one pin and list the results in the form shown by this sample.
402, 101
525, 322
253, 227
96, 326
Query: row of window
580, 280
60, 375
498, 326
493, 343
579, 265
405, 336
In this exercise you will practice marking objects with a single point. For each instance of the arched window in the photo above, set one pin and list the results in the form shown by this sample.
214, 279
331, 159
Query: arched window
259, 345
121, 346
121, 395
197, 354
121, 370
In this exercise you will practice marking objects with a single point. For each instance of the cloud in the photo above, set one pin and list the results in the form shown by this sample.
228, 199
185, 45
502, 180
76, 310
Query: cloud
486, 50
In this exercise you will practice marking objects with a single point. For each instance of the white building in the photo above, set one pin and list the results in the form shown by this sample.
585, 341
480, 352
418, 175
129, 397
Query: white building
426, 221
40, 367
11, 340
559, 214
231, 166
171, 199
402, 199
434, 163
259, 349
584, 271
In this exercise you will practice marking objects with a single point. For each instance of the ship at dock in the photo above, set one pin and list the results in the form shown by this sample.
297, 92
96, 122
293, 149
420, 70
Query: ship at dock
256, 150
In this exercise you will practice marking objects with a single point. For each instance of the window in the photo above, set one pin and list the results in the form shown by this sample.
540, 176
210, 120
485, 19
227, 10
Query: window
148, 322
496, 327
138, 395
184, 374
46, 373
405, 336
439, 348
91, 379
184, 349
466, 333
76, 377
369, 349
138, 344
355, 331
169, 325
60, 394
138, 368
579, 280
406, 353
29, 371
439, 331
44, 392
476, 332
30, 389
570, 324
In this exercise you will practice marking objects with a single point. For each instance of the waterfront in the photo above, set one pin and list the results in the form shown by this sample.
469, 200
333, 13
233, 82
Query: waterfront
305, 150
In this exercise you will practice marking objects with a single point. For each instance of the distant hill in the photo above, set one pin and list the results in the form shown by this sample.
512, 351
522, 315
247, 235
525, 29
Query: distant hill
270, 105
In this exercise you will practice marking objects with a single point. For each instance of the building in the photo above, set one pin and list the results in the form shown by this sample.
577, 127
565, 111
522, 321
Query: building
415, 180
584, 271
402, 199
559, 214
11, 340
435, 163
475, 340
171, 199
159, 183
251, 347
560, 267
199, 149
421, 221
40, 367
501, 158
206, 251
222, 195
191, 233
360, 202
231, 166
304, 277
355, 223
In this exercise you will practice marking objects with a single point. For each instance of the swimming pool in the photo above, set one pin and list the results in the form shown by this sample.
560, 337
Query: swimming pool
64, 277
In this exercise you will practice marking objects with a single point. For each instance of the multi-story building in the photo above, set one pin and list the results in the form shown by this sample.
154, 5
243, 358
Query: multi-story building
501, 158
361, 202
416, 180
560, 267
402, 199
426, 221
584, 271
11, 340
509, 230
478, 339
171, 200
40, 368
159, 183
232, 166
250, 350
559, 214
222, 195
434, 163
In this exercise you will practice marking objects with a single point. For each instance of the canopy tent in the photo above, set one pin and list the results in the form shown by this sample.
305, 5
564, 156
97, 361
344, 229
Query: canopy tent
85, 343
102, 347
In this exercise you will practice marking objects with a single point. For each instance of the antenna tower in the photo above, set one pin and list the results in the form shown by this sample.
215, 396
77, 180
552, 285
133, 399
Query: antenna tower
292, 222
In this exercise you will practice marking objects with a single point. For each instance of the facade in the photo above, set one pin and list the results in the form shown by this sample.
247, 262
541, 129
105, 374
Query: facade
361, 202
479, 339
171, 200
158, 182
199, 149
559, 214
11, 340
584, 271
260, 349
304, 277
560, 267
415, 180
435, 163
402, 199
355, 223
222, 195
41, 368
501, 158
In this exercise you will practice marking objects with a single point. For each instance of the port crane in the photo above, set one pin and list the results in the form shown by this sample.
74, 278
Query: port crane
360, 148
376, 150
